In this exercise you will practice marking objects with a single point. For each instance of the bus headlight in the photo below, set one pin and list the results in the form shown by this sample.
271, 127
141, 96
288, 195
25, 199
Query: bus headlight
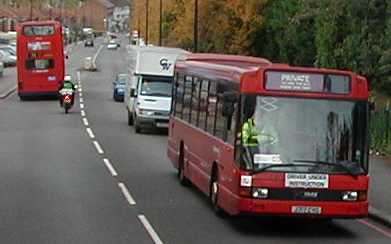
260, 193
350, 196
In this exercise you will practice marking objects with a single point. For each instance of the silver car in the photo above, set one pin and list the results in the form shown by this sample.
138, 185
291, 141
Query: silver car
1, 69
7, 58
8, 48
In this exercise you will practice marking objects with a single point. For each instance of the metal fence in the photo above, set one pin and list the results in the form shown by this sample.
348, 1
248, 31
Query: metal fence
381, 131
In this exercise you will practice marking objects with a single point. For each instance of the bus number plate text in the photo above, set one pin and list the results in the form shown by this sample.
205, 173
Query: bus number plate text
306, 210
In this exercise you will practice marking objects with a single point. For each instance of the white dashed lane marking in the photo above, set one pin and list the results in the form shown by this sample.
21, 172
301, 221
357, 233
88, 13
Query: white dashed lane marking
110, 167
85, 121
83, 113
81, 99
126, 193
90, 133
81, 105
98, 147
150, 230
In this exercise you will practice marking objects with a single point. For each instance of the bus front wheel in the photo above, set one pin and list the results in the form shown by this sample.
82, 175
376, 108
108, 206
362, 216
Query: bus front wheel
214, 194
181, 169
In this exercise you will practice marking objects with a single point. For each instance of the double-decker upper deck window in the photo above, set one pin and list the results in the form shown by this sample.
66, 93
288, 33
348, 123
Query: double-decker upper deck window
38, 30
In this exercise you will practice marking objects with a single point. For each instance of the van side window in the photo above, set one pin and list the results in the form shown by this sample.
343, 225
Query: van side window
195, 101
187, 98
212, 107
179, 95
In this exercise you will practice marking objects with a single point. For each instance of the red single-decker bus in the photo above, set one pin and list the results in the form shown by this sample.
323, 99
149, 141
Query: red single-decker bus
271, 139
40, 53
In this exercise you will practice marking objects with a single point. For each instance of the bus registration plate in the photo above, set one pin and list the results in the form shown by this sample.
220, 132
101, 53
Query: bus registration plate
306, 210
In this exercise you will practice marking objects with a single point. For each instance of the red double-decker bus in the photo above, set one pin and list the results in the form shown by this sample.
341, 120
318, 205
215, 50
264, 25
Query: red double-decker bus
40, 53
271, 139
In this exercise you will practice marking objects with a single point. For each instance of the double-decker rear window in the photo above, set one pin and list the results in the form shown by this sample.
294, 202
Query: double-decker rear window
38, 30
39, 64
307, 82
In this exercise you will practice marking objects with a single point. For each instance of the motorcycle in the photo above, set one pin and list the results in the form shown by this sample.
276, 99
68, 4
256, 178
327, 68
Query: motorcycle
67, 97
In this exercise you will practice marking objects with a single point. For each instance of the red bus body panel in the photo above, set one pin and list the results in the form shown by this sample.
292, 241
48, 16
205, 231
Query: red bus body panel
40, 82
202, 150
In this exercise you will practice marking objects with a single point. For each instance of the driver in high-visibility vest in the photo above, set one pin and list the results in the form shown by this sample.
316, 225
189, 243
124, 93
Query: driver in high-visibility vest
266, 138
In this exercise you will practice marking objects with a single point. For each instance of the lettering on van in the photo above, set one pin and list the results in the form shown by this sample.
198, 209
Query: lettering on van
165, 64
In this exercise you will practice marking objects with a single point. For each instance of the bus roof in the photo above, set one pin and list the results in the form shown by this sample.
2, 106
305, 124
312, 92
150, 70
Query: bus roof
43, 22
233, 68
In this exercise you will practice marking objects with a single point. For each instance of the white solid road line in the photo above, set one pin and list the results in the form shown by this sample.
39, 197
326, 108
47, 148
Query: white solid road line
126, 193
110, 167
150, 230
90, 133
83, 113
98, 148
85, 121
81, 105
96, 55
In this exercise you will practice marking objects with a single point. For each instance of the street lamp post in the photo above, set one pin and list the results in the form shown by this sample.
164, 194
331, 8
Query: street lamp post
31, 9
195, 25
146, 21
161, 24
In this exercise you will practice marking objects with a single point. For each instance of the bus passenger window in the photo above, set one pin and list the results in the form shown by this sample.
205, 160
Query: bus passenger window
220, 120
212, 106
39, 64
203, 106
179, 95
195, 101
231, 135
187, 98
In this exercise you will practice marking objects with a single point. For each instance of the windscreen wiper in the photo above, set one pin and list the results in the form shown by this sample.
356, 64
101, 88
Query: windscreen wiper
303, 164
346, 169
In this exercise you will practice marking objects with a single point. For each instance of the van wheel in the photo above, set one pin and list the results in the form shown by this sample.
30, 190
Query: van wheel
130, 118
181, 172
214, 194
137, 128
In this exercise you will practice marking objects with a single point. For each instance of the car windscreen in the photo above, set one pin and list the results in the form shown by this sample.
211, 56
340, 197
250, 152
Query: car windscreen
156, 86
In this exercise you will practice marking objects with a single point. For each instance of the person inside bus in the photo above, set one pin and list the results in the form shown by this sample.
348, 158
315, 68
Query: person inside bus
258, 138
67, 84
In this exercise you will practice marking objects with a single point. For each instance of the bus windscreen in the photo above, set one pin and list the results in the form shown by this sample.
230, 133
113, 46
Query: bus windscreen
38, 30
307, 82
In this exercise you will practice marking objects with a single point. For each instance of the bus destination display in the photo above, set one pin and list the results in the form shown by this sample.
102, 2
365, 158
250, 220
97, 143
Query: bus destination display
307, 82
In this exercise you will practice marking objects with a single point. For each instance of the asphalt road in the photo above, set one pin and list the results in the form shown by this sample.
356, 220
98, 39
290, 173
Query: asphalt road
56, 188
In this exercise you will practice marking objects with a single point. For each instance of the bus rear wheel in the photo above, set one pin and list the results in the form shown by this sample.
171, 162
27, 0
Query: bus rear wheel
214, 195
181, 172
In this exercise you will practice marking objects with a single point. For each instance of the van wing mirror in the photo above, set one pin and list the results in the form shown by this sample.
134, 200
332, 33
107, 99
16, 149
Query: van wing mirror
133, 92
229, 100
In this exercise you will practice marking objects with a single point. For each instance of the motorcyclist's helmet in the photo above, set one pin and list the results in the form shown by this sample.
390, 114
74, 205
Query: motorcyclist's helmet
68, 78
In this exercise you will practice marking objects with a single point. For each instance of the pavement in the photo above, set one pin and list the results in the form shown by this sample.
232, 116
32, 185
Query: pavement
86, 177
380, 189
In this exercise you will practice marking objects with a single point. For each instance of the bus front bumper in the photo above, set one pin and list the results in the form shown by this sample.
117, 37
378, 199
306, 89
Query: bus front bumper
312, 209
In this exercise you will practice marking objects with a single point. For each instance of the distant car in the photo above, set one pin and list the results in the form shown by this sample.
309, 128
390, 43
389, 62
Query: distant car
8, 48
89, 43
119, 85
7, 58
1, 69
112, 45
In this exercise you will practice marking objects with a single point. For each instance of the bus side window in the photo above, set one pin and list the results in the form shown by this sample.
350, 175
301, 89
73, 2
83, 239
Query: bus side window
187, 98
179, 95
173, 92
195, 100
212, 105
203, 105
231, 135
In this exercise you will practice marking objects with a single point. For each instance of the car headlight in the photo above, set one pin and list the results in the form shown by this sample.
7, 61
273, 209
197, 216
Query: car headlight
350, 196
260, 193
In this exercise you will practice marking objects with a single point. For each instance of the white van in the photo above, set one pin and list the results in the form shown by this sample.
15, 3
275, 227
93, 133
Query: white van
148, 94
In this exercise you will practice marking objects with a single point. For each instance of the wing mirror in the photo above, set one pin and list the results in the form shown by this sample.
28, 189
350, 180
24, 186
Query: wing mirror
229, 100
133, 92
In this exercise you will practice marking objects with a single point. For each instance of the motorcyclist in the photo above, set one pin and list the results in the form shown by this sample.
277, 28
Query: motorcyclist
67, 85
